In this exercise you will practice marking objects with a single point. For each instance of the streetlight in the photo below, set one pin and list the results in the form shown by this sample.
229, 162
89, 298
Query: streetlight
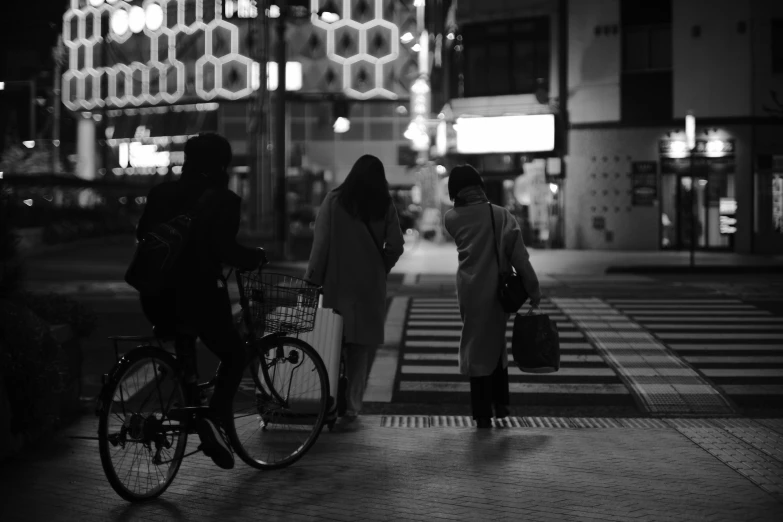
690, 142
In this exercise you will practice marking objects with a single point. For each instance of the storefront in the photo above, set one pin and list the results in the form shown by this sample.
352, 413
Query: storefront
517, 157
698, 189
768, 204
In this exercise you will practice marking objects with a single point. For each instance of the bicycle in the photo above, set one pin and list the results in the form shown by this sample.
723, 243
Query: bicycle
146, 409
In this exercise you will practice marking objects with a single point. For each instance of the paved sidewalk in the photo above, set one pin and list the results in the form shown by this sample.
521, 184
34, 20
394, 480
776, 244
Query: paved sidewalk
535, 469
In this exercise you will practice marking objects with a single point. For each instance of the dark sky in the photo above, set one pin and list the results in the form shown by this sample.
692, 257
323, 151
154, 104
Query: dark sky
30, 25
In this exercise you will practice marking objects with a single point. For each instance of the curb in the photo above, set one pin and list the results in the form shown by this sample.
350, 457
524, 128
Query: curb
42, 249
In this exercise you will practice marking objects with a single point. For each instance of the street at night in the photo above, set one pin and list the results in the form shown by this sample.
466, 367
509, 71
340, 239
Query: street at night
365, 260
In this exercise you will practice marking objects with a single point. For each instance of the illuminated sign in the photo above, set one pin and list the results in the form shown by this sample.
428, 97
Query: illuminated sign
777, 203
530, 133
727, 211
240, 8
713, 148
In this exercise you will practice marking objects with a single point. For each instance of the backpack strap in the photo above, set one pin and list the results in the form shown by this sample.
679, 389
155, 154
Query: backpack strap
377, 246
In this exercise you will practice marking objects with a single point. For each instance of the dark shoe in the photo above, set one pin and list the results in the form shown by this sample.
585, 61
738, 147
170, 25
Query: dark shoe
483, 422
501, 411
346, 423
214, 443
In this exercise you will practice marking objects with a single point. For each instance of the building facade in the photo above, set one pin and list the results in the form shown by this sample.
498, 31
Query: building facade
629, 177
144, 75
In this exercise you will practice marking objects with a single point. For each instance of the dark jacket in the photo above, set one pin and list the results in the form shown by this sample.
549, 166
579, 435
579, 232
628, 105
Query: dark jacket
213, 237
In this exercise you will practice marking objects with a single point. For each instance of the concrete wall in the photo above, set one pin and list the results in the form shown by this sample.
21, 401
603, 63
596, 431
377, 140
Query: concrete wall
599, 185
593, 61
712, 71
763, 79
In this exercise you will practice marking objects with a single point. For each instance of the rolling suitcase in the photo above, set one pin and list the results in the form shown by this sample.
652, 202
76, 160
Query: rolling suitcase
327, 339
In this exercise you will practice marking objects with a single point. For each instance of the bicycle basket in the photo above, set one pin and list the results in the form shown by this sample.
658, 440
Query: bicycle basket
280, 303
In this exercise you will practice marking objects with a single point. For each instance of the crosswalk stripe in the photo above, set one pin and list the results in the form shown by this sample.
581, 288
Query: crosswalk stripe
722, 359
723, 326
678, 313
685, 307
452, 356
457, 333
519, 387
720, 336
458, 324
434, 343
742, 372
651, 301
709, 319
724, 347
512, 370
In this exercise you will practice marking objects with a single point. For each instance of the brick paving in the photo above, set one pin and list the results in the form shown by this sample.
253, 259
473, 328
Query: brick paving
700, 469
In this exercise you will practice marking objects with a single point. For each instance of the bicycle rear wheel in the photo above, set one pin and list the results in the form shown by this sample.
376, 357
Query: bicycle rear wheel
140, 447
281, 404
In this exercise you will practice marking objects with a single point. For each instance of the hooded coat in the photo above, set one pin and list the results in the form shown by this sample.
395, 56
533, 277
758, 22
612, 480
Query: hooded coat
346, 261
483, 339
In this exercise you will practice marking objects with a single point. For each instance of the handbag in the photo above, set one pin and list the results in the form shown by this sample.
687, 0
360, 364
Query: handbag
535, 343
377, 247
511, 290
154, 263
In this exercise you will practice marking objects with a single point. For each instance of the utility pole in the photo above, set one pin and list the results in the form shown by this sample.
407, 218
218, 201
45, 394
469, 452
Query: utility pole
58, 53
280, 112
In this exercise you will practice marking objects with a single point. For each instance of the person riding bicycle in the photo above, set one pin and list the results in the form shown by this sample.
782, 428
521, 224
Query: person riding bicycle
197, 304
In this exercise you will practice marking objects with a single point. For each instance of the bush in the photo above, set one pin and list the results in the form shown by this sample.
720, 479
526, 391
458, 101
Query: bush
34, 368
61, 309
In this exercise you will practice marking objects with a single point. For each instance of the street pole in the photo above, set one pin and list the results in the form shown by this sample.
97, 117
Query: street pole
280, 111
58, 61
32, 109
690, 143
694, 210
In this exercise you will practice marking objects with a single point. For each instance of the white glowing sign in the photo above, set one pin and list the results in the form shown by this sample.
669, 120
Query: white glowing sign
130, 84
362, 56
241, 8
293, 76
530, 133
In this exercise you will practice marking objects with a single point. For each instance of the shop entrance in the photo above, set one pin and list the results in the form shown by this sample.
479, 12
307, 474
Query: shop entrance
711, 215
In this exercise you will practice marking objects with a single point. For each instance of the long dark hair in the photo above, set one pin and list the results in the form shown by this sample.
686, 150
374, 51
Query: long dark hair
365, 192
207, 157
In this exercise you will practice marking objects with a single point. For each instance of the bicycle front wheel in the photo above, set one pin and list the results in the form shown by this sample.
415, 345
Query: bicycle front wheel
140, 447
281, 404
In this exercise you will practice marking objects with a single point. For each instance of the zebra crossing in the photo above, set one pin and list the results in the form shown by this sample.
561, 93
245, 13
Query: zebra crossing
734, 345
428, 368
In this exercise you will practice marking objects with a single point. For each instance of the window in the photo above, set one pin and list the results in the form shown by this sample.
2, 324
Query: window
506, 57
646, 90
776, 29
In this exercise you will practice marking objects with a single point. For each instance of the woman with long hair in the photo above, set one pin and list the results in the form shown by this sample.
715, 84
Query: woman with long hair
482, 348
357, 242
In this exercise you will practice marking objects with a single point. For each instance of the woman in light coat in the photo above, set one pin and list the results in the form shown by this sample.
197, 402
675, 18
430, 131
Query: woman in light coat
357, 242
482, 349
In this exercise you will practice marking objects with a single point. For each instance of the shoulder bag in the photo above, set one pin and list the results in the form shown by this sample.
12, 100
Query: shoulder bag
511, 290
378, 247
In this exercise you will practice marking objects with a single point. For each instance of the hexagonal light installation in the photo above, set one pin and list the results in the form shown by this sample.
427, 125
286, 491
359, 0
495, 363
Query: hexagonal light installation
136, 19
167, 72
153, 17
